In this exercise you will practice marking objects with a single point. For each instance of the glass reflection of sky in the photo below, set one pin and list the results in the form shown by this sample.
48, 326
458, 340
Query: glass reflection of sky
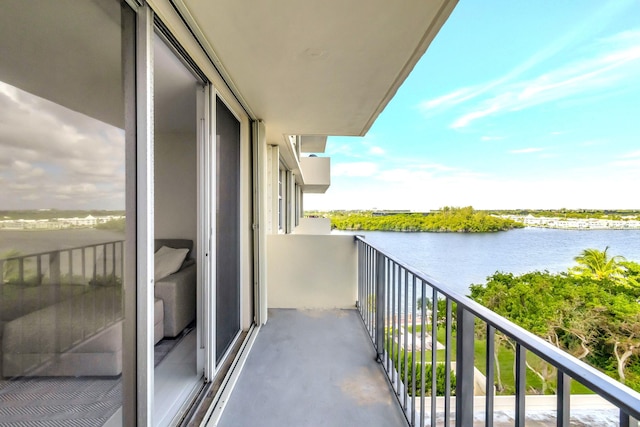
54, 157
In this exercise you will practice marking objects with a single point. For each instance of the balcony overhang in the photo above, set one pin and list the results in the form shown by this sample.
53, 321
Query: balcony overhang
315, 68
316, 174
313, 143
305, 68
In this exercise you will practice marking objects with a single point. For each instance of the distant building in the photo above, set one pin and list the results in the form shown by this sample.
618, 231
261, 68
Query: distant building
576, 223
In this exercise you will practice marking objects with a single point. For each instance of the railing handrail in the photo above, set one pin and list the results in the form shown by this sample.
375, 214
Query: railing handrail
615, 392
17, 257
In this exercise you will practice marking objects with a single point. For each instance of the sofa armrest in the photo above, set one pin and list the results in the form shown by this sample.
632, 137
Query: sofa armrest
178, 293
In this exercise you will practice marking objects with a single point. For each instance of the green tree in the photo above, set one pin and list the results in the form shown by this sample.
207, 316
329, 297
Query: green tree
598, 265
448, 219
11, 267
632, 277
595, 317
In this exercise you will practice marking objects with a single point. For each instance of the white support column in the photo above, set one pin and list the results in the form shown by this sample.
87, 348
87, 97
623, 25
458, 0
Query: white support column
260, 220
206, 249
290, 205
273, 172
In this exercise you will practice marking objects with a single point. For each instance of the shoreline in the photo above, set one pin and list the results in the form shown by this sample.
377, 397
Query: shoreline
575, 223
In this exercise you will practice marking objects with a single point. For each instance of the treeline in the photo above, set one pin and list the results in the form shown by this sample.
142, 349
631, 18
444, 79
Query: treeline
591, 311
448, 219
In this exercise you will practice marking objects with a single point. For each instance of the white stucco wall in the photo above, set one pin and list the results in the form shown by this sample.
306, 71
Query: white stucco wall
311, 271
313, 226
316, 172
175, 186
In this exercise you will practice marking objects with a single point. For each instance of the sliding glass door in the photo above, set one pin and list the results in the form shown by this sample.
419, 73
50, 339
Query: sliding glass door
84, 146
179, 368
67, 227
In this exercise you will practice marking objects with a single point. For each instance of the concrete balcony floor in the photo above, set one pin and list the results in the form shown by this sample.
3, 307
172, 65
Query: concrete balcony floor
312, 368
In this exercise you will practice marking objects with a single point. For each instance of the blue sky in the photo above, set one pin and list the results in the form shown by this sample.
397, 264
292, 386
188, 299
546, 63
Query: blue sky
515, 105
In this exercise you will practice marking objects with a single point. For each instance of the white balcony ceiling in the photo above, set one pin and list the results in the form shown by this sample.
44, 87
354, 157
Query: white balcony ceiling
305, 67
316, 67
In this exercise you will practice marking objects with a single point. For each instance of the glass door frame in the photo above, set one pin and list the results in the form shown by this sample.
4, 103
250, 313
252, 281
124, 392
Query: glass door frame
139, 392
206, 232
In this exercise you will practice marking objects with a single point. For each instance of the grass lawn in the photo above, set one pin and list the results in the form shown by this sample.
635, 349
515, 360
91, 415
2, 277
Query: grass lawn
506, 358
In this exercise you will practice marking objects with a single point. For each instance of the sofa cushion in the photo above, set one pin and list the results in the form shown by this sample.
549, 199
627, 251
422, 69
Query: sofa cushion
168, 261
174, 243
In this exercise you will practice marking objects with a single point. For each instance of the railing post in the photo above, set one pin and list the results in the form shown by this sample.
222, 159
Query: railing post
563, 399
54, 268
21, 270
464, 367
626, 420
521, 384
379, 308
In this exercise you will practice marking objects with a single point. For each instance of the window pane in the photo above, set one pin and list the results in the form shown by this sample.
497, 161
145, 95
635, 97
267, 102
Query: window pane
62, 224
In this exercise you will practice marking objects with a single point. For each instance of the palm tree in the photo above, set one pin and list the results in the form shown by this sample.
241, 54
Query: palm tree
598, 265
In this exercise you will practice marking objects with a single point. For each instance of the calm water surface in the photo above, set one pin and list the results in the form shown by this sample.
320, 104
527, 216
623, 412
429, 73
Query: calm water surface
460, 259
28, 242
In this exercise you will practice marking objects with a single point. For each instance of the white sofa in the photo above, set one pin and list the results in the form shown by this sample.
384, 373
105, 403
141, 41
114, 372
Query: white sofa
178, 290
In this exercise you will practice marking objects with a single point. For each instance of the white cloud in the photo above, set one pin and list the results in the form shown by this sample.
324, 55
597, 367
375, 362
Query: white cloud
57, 155
377, 151
23, 186
352, 169
340, 149
354, 147
593, 143
464, 120
628, 160
630, 163
451, 99
631, 154
526, 150
583, 77
606, 63
403, 175
573, 189
436, 167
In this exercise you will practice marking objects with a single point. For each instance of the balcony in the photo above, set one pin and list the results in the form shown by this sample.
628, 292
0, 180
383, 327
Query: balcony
316, 173
347, 343
316, 367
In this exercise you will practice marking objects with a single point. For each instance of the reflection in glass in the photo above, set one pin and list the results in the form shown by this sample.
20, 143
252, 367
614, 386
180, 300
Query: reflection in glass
62, 218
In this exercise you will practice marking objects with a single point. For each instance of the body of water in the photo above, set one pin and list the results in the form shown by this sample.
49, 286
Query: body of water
460, 259
29, 242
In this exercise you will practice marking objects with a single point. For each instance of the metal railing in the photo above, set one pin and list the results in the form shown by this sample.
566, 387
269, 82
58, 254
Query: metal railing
86, 264
77, 290
417, 326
